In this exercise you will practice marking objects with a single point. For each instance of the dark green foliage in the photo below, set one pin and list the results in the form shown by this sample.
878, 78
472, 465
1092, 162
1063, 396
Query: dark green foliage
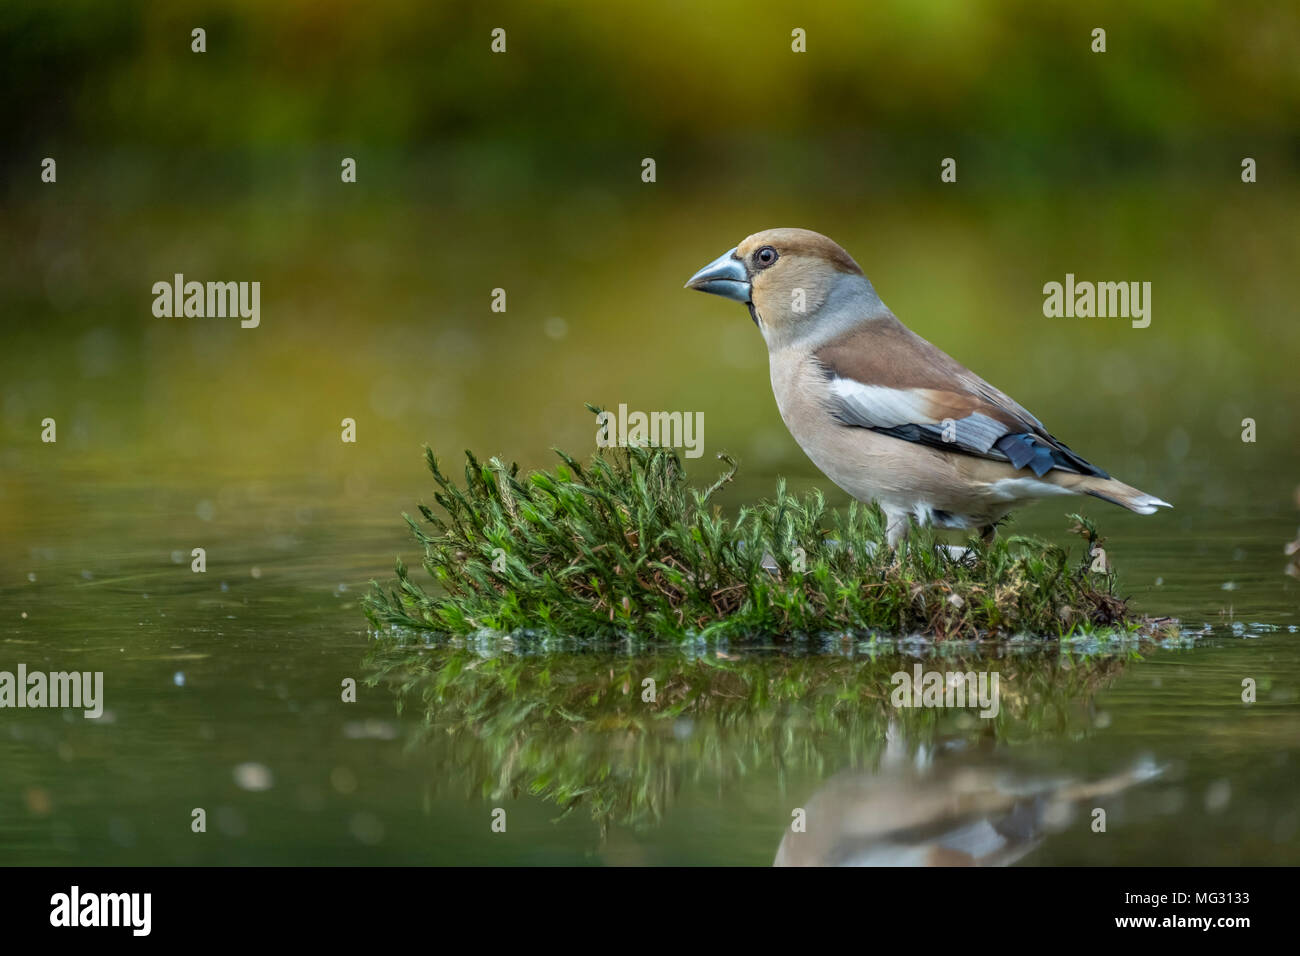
623, 547
584, 730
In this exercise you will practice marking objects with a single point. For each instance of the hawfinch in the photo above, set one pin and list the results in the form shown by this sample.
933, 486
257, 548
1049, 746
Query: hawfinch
965, 814
883, 413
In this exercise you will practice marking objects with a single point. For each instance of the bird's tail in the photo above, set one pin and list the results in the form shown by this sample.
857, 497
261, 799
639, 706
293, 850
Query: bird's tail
1114, 491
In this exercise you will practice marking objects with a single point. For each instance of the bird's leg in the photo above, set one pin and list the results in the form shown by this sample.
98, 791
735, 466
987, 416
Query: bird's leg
897, 525
987, 533
959, 553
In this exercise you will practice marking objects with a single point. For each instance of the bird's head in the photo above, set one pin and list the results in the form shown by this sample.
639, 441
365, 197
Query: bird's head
793, 281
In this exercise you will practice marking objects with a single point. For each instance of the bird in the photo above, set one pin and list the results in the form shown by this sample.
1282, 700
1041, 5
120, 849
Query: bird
884, 414
946, 808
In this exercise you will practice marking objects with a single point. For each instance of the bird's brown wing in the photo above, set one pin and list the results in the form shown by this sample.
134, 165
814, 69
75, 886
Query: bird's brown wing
884, 377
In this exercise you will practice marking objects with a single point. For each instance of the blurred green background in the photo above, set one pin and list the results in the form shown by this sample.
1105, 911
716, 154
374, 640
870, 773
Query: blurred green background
522, 171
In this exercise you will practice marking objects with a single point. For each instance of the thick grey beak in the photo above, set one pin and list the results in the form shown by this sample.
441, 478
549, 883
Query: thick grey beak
724, 276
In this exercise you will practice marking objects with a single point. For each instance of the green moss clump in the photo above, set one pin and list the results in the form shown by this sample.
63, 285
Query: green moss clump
622, 547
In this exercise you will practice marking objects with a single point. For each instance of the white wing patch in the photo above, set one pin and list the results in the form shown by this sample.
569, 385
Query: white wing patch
878, 406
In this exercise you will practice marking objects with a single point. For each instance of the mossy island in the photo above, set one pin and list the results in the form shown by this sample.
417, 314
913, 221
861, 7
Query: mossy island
622, 547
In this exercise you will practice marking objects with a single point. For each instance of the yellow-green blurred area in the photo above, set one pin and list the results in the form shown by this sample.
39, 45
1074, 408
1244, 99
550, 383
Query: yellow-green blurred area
522, 171
395, 74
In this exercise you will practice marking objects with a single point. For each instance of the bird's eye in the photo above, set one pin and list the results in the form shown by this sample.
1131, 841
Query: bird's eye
765, 257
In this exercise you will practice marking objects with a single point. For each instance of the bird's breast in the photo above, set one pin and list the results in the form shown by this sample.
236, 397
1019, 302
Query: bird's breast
857, 460
869, 465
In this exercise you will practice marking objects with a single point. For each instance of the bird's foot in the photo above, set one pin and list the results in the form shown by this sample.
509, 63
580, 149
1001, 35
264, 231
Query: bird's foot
958, 552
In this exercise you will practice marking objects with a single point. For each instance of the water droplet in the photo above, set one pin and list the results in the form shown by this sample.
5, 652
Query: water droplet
253, 776
367, 828
1218, 795
343, 780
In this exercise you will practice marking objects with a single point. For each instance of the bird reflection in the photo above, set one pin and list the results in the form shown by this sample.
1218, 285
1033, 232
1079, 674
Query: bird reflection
944, 806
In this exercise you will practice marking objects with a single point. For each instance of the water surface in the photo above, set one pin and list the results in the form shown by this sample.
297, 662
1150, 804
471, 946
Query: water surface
223, 692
